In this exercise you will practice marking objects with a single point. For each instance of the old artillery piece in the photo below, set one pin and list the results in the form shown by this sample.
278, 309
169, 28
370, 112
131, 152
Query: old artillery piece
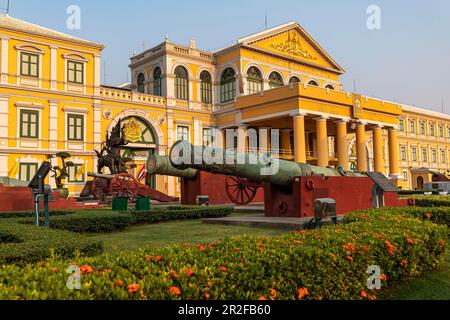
123, 185
290, 188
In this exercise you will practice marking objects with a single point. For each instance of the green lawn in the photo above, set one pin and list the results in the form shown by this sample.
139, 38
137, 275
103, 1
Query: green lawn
178, 232
435, 285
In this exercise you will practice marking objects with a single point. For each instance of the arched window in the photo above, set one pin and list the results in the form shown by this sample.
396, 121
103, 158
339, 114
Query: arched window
275, 80
157, 82
206, 87
228, 85
329, 86
313, 83
254, 80
181, 83
294, 80
141, 83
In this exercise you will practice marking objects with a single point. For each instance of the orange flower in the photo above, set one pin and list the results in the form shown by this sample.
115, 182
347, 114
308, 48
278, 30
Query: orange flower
383, 277
206, 296
132, 288
302, 293
224, 269
262, 298
404, 263
409, 241
118, 283
363, 294
273, 293
86, 269
173, 274
442, 243
54, 269
158, 258
350, 258
201, 248
390, 248
175, 291
189, 273
428, 216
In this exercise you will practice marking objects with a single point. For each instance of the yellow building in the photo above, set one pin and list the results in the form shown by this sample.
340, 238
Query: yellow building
51, 100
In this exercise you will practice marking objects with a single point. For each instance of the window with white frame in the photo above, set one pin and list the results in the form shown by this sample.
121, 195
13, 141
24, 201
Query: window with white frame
443, 156
412, 126
424, 155
208, 138
29, 124
403, 153
75, 127
77, 173
183, 133
75, 72
29, 64
405, 176
414, 154
434, 156
27, 171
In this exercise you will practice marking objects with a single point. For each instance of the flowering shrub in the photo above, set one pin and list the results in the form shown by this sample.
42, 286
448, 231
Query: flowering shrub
330, 263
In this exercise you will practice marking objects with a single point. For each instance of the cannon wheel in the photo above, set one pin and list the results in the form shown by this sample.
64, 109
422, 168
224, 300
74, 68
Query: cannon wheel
100, 190
240, 191
124, 185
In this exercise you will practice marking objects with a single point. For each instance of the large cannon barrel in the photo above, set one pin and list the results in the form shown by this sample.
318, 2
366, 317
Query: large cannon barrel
254, 167
161, 165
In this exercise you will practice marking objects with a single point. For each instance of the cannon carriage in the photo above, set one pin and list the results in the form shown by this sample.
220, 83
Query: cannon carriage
104, 187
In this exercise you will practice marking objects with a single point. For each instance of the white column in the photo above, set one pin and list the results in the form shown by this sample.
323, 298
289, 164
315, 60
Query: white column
218, 138
4, 119
197, 130
4, 170
53, 126
4, 63
170, 141
97, 74
97, 123
53, 68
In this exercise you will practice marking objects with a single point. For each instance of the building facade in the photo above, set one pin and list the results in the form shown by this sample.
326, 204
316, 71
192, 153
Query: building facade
51, 100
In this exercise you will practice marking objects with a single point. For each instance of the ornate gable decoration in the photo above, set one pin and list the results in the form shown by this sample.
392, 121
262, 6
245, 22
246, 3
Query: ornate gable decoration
293, 41
293, 46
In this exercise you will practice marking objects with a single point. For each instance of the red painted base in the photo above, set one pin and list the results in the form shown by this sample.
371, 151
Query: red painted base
350, 193
212, 185
20, 199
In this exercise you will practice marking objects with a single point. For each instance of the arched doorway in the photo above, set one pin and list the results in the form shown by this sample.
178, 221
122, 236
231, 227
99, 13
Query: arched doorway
142, 142
420, 183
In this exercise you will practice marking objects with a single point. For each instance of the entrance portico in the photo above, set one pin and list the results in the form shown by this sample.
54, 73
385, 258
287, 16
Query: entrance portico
316, 126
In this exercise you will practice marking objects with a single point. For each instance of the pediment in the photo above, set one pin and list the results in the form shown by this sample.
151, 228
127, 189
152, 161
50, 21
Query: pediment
294, 42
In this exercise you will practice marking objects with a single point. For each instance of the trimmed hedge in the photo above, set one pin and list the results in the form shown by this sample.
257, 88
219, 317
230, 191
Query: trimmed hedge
430, 201
28, 214
180, 213
103, 221
330, 263
22, 244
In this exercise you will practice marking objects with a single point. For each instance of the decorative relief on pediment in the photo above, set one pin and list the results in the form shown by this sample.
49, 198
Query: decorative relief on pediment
293, 46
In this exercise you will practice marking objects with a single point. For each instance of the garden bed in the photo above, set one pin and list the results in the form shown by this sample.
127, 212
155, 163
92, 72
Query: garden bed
330, 263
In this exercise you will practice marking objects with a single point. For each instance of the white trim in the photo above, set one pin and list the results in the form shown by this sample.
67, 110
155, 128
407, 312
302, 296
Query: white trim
74, 145
23, 48
26, 80
75, 56
74, 87
29, 105
76, 110
4, 63
33, 143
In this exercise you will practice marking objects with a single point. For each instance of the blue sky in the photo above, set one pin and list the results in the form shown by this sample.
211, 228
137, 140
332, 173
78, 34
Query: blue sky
407, 61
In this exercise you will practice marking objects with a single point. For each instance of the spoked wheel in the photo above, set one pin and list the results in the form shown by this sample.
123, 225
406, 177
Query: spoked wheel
240, 190
123, 185
100, 190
